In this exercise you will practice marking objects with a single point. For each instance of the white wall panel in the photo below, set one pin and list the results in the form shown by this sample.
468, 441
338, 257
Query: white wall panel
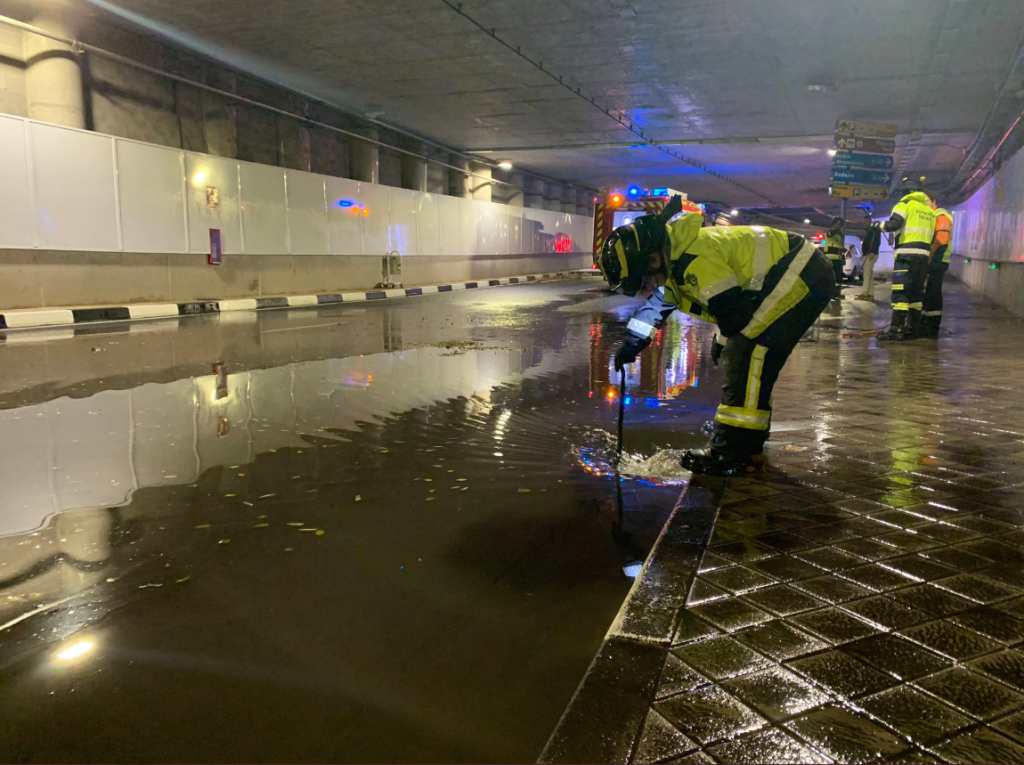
264, 219
25, 467
498, 233
151, 190
344, 217
404, 237
469, 227
15, 199
376, 228
515, 230
73, 179
428, 231
202, 171
538, 231
449, 211
307, 213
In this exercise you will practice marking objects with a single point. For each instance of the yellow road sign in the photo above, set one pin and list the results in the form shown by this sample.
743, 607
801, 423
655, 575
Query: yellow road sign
866, 129
845, 191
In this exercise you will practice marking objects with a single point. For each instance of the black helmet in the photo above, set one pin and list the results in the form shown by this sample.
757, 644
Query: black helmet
909, 185
626, 252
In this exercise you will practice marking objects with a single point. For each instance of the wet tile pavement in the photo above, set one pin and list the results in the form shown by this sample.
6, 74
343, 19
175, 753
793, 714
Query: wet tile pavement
861, 601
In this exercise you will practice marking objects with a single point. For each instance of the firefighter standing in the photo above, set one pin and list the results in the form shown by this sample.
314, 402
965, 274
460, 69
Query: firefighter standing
931, 313
835, 251
914, 219
764, 289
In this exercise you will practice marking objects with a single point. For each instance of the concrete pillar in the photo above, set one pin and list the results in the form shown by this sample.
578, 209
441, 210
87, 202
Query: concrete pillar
220, 123
414, 171
514, 194
53, 74
459, 183
365, 157
294, 149
481, 186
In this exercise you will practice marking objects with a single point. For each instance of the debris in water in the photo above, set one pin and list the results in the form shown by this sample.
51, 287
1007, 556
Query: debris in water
359, 498
202, 526
224, 542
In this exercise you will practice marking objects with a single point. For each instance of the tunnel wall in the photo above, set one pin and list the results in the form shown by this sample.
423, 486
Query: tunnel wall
988, 230
89, 219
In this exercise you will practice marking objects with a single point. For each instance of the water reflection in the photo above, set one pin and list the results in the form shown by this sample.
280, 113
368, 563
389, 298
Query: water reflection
70, 467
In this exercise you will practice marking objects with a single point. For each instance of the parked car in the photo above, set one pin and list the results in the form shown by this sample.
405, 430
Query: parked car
853, 265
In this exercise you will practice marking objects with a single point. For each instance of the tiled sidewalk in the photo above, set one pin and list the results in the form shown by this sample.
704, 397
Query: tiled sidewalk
863, 600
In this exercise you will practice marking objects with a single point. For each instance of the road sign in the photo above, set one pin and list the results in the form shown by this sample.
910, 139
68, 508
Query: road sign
861, 177
844, 191
855, 159
865, 129
873, 145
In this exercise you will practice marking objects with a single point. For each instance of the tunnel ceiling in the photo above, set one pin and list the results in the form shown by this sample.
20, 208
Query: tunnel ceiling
760, 83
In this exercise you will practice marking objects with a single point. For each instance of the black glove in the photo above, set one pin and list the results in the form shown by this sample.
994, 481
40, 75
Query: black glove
628, 352
716, 350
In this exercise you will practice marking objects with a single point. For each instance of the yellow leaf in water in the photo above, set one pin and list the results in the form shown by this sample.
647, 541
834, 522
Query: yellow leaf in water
524, 491
431, 499
202, 526
224, 542
358, 498
267, 496
230, 495
261, 525
296, 523
307, 529
183, 579
320, 532
428, 480
289, 549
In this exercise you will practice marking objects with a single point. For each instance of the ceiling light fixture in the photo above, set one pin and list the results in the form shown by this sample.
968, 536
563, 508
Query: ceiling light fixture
506, 165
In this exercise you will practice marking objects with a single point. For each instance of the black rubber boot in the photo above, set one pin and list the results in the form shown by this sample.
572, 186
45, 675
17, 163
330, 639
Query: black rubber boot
710, 461
930, 327
912, 330
895, 331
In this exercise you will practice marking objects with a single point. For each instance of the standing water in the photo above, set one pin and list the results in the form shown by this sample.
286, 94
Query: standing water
380, 533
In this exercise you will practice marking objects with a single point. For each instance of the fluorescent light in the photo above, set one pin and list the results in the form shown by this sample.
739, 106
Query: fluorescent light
80, 648
807, 221
735, 212
198, 177
506, 165
831, 152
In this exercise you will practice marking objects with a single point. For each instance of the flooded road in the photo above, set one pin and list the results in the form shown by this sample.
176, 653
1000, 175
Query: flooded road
383, 532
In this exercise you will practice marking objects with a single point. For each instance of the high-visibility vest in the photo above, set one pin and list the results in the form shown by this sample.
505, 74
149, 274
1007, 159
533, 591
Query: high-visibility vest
915, 238
835, 244
943, 235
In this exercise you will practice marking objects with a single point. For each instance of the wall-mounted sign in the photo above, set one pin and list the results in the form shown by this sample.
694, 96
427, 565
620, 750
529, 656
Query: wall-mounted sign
216, 251
845, 191
212, 198
874, 145
855, 159
860, 177
866, 129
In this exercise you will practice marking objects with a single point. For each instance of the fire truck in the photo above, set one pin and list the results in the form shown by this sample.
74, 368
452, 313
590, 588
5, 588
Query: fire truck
616, 208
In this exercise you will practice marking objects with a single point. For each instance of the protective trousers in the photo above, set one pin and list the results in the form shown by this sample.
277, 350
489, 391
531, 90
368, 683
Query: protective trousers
837, 272
909, 274
931, 314
751, 366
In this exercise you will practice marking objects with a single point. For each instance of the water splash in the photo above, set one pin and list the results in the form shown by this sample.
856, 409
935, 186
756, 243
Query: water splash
597, 454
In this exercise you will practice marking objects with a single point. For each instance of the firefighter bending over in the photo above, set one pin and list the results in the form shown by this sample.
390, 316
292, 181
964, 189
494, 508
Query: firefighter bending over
764, 289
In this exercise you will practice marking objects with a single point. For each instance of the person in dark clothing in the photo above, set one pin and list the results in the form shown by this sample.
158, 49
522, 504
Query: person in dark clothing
871, 244
835, 251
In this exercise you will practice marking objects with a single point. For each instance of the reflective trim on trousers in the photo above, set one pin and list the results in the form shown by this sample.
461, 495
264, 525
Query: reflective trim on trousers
931, 313
641, 328
754, 377
743, 417
902, 251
